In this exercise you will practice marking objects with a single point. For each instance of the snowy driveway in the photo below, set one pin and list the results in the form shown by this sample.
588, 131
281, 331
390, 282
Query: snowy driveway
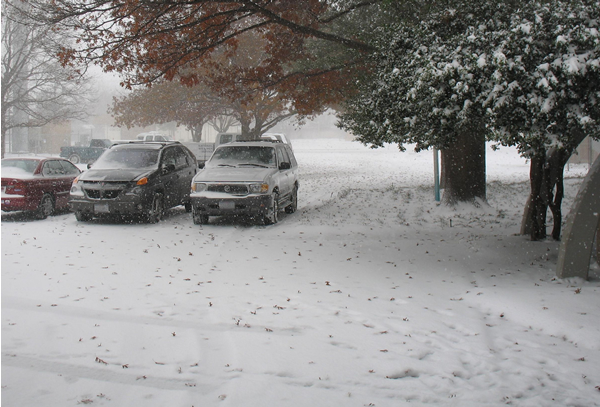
369, 295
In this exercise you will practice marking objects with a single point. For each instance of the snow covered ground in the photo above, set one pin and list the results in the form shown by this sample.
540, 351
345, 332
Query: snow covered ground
369, 295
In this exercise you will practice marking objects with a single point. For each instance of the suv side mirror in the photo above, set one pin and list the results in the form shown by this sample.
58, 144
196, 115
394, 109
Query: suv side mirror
285, 166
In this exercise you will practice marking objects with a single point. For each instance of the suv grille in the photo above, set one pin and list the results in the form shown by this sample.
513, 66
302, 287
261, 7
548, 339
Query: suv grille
234, 189
101, 194
103, 190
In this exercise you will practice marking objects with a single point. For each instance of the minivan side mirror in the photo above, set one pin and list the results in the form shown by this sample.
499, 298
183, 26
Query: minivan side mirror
285, 166
168, 168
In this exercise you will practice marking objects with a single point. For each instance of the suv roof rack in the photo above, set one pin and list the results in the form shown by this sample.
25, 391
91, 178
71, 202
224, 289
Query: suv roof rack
261, 140
127, 142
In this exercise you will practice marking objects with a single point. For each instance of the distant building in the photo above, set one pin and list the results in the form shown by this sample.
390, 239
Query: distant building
586, 153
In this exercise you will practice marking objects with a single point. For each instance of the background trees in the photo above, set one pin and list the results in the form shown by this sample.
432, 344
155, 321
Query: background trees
276, 47
36, 89
439, 74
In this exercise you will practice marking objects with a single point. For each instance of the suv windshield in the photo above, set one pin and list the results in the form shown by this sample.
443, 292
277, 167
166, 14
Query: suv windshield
243, 155
127, 158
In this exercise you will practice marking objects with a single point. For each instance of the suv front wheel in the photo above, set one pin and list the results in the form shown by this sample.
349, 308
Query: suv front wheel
273, 215
291, 208
198, 218
155, 213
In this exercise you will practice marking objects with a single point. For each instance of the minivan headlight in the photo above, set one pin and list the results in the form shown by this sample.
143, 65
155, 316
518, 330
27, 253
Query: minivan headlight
259, 188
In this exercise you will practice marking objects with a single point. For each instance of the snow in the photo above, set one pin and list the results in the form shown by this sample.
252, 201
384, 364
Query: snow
371, 294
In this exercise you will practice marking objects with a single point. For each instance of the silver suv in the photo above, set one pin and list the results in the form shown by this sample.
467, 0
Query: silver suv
255, 179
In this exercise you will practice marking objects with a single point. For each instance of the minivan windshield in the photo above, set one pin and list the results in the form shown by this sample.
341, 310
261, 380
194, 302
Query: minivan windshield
127, 158
243, 155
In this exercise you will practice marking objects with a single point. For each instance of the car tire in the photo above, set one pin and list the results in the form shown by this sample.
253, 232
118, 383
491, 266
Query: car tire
156, 210
291, 208
272, 216
198, 218
83, 217
74, 158
46, 207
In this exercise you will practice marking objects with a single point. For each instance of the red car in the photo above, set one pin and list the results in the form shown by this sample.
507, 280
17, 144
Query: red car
39, 184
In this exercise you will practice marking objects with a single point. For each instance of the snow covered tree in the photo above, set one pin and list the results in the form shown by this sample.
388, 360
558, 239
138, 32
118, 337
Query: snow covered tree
429, 86
546, 95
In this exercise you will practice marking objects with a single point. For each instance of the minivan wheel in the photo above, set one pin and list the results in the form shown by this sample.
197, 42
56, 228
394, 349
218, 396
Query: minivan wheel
273, 215
46, 207
155, 213
74, 158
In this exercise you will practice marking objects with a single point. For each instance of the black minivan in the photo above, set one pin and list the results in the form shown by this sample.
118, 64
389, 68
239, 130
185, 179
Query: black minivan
139, 179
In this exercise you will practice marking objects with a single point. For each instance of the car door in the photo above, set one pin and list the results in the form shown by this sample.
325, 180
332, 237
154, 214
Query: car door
185, 166
53, 181
70, 172
169, 177
285, 175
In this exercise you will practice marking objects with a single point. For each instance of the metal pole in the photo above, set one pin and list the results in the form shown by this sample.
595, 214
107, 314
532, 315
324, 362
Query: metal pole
436, 174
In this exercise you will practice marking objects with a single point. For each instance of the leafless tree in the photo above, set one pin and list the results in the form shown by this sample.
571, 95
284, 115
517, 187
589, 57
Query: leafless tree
36, 88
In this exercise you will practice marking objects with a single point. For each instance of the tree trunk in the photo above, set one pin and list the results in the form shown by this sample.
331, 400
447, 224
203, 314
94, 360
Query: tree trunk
538, 204
464, 168
3, 147
442, 170
197, 133
598, 245
546, 174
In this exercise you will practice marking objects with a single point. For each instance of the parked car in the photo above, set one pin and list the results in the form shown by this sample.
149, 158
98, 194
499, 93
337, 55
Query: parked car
135, 179
153, 136
276, 137
201, 150
86, 154
37, 184
246, 178
224, 138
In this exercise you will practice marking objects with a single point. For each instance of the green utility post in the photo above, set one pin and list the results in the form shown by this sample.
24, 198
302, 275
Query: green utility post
436, 174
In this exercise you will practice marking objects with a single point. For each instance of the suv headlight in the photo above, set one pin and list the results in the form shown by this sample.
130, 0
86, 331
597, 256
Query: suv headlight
198, 187
259, 188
